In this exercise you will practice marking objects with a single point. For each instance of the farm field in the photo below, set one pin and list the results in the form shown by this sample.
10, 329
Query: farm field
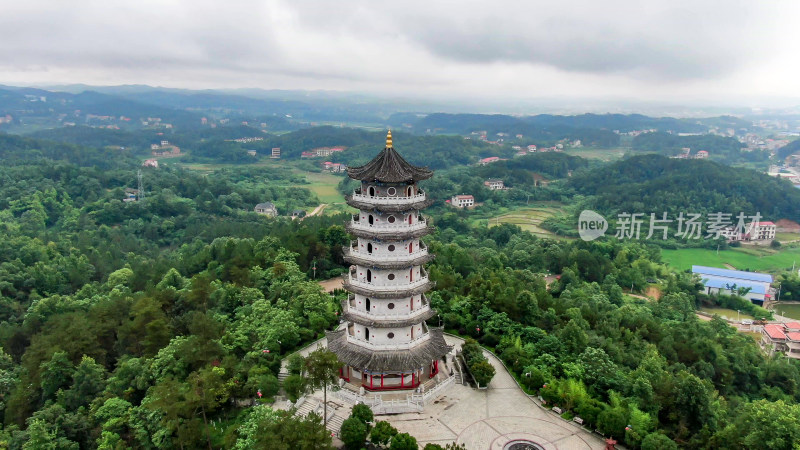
761, 259
603, 154
528, 218
324, 185
787, 237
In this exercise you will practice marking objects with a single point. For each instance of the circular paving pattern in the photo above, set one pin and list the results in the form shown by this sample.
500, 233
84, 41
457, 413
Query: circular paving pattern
522, 444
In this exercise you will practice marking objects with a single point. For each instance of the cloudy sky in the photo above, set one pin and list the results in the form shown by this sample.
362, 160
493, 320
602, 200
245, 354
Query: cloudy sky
672, 50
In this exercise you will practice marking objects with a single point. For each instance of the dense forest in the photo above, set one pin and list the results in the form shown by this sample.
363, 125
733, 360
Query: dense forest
139, 324
652, 183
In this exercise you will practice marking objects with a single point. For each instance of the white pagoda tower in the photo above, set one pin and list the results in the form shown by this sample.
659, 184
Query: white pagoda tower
386, 344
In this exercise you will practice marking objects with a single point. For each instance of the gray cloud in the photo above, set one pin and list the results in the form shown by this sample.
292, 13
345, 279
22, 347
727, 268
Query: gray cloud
498, 47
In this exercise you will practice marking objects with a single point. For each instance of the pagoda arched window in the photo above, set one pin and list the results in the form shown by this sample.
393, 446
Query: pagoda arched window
372, 191
369, 248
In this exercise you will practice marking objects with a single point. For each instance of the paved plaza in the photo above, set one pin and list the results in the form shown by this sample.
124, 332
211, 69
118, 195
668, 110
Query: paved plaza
490, 418
484, 419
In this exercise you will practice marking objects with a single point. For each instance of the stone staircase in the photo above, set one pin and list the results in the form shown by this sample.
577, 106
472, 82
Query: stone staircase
337, 412
307, 407
335, 424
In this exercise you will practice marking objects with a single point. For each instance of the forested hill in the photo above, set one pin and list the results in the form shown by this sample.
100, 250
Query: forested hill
789, 149
15, 150
535, 133
724, 149
437, 152
653, 183
591, 129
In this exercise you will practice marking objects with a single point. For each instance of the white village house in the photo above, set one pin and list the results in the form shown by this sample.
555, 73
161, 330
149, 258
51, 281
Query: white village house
462, 201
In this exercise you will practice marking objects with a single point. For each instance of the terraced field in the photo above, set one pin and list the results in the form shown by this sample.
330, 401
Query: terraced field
529, 219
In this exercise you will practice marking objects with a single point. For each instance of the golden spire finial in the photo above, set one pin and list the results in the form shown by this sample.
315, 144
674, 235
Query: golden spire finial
389, 139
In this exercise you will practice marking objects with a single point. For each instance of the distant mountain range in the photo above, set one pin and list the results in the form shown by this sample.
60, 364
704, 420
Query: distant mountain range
36, 108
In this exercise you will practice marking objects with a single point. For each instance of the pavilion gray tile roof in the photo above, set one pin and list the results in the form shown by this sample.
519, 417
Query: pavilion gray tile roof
388, 360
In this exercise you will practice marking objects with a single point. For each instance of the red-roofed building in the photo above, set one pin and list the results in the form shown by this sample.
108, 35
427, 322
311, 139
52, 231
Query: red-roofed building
489, 160
462, 201
782, 337
702, 154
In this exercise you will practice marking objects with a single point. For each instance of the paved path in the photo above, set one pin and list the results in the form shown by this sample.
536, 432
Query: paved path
490, 418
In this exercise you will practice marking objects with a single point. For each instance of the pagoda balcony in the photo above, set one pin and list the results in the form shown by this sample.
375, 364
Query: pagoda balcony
401, 260
388, 203
396, 321
388, 200
349, 305
370, 289
389, 231
399, 346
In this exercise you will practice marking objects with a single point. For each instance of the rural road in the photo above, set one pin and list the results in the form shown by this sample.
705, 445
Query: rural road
317, 210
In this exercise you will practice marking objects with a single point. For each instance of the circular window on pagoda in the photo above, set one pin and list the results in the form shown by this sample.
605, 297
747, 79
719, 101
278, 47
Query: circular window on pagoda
391, 219
391, 191
390, 306
390, 335
391, 276
391, 247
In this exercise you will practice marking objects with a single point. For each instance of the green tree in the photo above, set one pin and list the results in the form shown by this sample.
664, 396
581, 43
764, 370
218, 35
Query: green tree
612, 422
295, 363
88, 380
294, 385
353, 433
403, 441
322, 369
483, 371
362, 412
658, 441
382, 433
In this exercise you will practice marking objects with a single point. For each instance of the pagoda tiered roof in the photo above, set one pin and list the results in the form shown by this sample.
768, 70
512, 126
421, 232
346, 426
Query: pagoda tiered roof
388, 360
389, 167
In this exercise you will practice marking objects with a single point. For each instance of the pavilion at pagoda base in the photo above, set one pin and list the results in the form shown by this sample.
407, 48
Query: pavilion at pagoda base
386, 370
400, 401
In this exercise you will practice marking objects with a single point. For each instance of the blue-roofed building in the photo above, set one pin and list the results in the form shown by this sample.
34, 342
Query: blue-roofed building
726, 281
